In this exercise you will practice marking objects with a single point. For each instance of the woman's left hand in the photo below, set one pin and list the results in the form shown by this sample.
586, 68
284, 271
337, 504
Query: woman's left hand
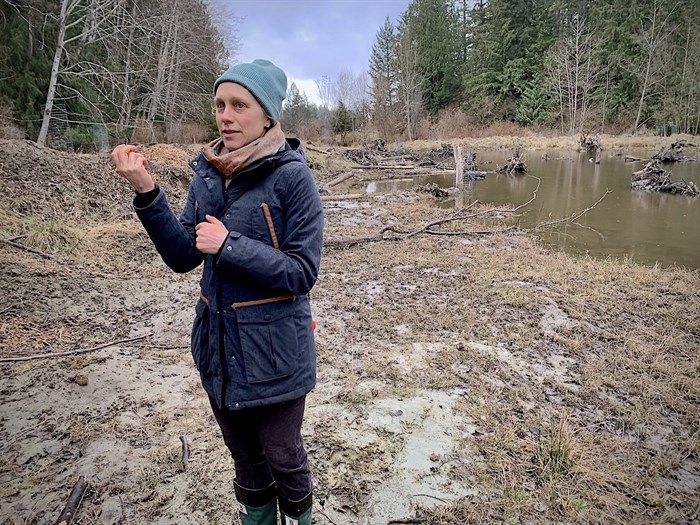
211, 234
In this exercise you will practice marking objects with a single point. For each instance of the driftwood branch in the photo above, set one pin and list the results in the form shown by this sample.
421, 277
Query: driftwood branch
67, 264
573, 217
32, 250
428, 228
345, 197
385, 167
459, 215
71, 352
311, 148
347, 242
339, 179
74, 500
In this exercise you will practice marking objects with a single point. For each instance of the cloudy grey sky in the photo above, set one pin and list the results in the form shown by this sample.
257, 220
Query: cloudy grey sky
311, 38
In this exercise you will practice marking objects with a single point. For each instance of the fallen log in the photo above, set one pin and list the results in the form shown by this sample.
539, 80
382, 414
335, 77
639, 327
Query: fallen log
394, 158
384, 167
630, 158
339, 179
311, 148
436, 171
74, 500
347, 196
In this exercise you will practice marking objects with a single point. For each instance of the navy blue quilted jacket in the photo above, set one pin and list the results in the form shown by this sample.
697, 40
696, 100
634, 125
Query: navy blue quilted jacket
252, 339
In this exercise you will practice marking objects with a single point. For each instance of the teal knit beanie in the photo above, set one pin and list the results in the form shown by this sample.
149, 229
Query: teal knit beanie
264, 80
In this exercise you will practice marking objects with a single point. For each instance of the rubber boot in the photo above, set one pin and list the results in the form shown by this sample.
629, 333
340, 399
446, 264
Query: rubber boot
296, 512
257, 507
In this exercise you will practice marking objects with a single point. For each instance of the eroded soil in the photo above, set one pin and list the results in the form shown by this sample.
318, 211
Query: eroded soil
462, 378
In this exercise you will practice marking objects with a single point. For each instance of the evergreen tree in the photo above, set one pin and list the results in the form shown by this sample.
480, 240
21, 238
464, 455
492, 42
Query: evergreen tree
432, 28
297, 110
382, 66
25, 61
342, 121
508, 41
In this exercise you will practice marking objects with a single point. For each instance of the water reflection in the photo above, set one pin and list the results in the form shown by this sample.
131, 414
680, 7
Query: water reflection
647, 227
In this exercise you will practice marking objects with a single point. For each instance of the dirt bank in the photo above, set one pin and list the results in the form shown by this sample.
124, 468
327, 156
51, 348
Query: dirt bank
463, 377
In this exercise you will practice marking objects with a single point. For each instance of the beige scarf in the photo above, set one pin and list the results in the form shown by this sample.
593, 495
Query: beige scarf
231, 163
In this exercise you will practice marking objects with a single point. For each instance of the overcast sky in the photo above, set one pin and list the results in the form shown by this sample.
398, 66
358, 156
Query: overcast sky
311, 38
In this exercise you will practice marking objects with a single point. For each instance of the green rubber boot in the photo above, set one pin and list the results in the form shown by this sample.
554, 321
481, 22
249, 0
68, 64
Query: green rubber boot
295, 512
257, 507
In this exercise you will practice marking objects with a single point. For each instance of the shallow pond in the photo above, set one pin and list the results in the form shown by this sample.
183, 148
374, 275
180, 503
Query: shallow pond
646, 227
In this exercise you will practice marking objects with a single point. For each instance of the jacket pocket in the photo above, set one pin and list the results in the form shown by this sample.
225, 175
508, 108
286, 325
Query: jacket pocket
200, 337
269, 342
264, 223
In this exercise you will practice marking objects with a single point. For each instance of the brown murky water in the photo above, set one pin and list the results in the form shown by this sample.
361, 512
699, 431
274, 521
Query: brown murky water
649, 228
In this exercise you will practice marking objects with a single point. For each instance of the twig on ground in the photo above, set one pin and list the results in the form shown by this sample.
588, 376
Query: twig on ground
317, 150
166, 347
430, 496
17, 238
32, 250
185, 453
71, 352
74, 500
54, 258
7, 310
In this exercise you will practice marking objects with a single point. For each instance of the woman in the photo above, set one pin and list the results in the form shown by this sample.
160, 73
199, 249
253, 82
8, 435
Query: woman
253, 215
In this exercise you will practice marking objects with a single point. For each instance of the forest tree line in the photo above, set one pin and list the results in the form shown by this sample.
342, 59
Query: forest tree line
144, 69
576, 65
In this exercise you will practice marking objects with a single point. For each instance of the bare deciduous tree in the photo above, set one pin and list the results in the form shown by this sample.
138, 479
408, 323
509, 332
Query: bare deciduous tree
573, 71
410, 92
653, 32
73, 13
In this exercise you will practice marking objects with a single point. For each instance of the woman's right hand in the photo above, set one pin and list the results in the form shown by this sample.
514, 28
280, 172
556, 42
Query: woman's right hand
132, 166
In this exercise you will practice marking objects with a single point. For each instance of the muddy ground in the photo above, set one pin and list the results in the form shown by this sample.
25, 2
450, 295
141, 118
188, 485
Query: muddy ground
468, 375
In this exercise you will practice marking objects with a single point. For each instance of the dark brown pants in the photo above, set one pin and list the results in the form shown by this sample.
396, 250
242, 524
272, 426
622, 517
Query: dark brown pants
266, 446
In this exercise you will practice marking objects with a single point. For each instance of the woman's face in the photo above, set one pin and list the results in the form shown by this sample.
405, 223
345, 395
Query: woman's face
239, 116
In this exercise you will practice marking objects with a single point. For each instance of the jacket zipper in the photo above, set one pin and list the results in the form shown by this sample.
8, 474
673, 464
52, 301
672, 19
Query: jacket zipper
222, 348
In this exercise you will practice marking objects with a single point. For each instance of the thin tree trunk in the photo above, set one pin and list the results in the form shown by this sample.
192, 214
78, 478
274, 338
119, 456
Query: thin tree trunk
641, 99
605, 97
684, 118
171, 90
125, 112
157, 95
647, 72
43, 132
